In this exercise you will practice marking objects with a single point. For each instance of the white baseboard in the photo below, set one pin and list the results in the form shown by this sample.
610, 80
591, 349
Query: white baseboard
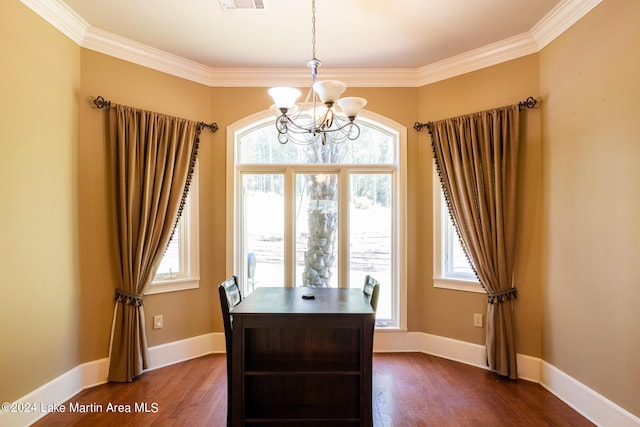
35, 405
528, 367
584, 400
397, 341
190, 348
447, 348
592, 405
41, 401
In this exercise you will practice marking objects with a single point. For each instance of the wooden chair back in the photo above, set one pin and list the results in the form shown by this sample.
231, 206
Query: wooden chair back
371, 290
230, 296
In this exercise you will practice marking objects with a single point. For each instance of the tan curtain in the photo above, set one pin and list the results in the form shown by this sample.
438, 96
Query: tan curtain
477, 160
152, 158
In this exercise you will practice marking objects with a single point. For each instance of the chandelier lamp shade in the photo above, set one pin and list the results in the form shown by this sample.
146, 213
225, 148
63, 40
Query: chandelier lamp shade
323, 115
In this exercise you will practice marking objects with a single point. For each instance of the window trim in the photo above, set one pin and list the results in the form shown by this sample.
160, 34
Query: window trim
237, 129
440, 213
189, 232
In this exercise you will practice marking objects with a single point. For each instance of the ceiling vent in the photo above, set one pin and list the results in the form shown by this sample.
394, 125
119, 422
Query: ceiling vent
242, 4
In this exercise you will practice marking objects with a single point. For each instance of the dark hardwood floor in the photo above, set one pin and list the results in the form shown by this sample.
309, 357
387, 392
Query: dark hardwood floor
409, 389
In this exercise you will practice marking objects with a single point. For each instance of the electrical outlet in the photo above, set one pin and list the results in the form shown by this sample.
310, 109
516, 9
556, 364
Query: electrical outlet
477, 320
157, 321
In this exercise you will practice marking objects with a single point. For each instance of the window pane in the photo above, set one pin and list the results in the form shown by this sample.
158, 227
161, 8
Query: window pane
370, 235
460, 264
263, 199
456, 264
373, 147
170, 265
261, 146
317, 230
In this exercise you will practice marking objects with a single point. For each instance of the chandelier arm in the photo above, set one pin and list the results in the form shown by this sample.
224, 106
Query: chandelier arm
299, 138
292, 127
357, 134
329, 117
293, 123
282, 124
341, 126
319, 128
350, 130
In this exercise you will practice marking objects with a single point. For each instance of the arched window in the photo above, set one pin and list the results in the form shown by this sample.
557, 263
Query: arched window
318, 215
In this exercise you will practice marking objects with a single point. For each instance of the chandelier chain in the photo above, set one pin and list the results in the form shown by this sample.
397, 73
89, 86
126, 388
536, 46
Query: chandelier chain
313, 29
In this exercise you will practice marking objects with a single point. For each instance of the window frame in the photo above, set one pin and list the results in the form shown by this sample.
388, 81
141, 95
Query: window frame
443, 236
239, 128
189, 250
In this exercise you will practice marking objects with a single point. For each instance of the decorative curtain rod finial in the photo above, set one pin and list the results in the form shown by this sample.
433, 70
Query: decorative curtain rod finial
211, 126
419, 126
101, 103
529, 103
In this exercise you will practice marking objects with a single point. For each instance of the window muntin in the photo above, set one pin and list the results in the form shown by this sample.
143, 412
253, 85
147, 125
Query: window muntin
180, 265
299, 164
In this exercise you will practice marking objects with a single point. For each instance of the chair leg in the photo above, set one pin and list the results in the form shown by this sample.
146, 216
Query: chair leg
229, 393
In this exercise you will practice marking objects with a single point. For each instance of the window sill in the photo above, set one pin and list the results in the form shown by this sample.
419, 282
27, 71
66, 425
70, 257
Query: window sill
162, 286
458, 285
390, 328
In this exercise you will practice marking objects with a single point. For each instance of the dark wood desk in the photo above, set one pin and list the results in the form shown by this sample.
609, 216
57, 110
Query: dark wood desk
302, 362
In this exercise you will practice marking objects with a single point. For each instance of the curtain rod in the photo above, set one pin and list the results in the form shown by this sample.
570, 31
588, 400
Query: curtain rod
528, 103
101, 103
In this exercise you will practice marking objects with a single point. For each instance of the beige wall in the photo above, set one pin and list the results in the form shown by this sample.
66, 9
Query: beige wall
591, 282
186, 313
39, 284
449, 313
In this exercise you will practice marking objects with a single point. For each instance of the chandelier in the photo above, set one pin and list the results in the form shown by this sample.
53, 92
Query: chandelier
323, 114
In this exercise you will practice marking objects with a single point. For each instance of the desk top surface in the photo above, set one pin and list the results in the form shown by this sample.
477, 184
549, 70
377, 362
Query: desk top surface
289, 301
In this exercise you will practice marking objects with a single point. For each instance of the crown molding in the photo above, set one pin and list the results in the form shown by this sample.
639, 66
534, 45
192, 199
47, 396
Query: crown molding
61, 16
299, 77
119, 47
486, 56
562, 17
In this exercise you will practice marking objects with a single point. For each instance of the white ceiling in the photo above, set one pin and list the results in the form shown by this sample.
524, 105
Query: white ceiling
395, 38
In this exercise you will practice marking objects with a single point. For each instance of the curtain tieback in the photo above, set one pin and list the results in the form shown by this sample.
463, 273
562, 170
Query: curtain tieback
498, 297
128, 297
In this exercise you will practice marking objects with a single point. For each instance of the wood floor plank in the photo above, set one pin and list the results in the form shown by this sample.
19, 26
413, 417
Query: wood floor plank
409, 390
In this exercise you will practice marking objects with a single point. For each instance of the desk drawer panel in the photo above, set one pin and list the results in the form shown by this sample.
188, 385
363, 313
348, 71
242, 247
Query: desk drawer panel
293, 349
319, 397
